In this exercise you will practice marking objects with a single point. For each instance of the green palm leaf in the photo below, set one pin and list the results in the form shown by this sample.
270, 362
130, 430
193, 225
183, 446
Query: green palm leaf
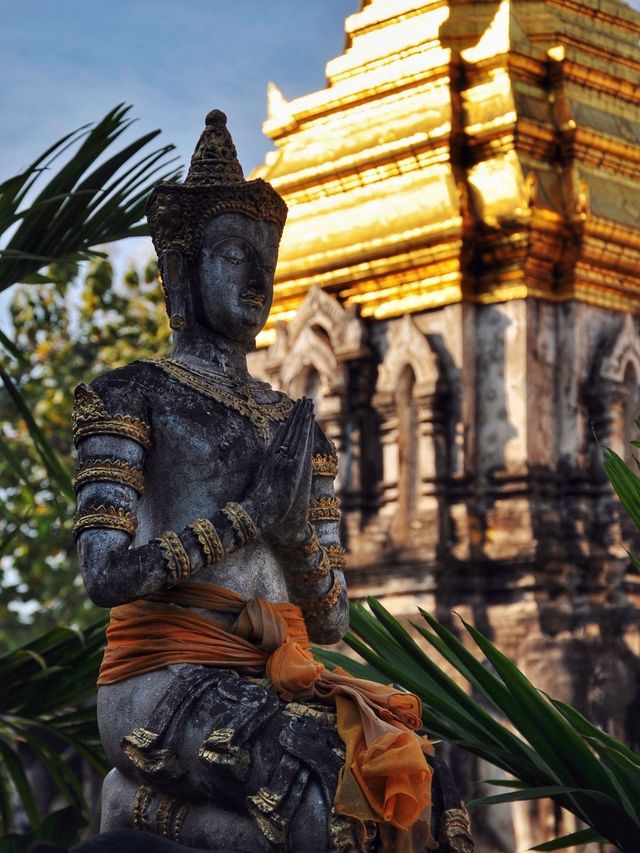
85, 203
625, 482
552, 750
49, 457
584, 836
44, 684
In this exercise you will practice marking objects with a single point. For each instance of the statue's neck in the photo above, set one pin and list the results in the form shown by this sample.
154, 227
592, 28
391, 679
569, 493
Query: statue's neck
210, 350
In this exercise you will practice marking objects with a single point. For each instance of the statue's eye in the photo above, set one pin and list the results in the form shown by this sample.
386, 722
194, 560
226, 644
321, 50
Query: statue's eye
234, 256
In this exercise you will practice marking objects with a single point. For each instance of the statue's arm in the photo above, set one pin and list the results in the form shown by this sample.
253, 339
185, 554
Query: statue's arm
109, 480
316, 579
106, 522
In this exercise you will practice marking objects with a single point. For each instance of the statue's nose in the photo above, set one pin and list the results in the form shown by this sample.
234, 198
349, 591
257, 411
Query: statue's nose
256, 274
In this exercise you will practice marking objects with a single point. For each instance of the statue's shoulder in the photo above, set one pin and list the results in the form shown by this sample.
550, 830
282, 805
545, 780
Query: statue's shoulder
138, 378
125, 391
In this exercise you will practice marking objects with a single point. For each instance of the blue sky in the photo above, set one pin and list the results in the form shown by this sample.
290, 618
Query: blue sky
66, 62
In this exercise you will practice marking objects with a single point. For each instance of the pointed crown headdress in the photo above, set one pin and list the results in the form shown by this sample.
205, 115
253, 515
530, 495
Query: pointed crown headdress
179, 213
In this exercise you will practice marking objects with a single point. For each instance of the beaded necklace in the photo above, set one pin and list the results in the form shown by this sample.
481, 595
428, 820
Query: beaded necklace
238, 395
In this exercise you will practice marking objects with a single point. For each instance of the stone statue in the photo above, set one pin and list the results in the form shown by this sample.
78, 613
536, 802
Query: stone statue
207, 521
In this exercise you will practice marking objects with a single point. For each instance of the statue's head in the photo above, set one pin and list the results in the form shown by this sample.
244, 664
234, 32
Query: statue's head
217, 239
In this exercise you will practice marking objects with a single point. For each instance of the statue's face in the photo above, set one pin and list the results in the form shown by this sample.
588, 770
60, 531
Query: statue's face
236, 268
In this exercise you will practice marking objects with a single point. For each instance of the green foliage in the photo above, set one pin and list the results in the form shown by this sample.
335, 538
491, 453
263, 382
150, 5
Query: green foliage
550, 749
66, 332
61, 827
63, 334
95, 197
80, 193
627, 486
43, 705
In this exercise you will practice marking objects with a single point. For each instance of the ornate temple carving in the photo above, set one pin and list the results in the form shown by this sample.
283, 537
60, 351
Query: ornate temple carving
407, 347
615, 395
623, 354
405, 397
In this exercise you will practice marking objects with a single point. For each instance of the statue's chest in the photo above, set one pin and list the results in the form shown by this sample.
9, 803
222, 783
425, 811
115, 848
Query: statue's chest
206, 430
201, 444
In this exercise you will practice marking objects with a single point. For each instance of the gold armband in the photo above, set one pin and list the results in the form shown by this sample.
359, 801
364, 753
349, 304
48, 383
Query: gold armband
108, 470
208, 539
110, 517
324, 466
175, 556
320, 605
324, 509
91, 418
244, 528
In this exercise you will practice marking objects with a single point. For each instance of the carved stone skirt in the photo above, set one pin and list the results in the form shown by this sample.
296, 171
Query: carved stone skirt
192, 738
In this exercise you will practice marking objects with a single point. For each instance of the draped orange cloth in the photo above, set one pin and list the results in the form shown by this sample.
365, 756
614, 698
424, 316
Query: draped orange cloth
386, 777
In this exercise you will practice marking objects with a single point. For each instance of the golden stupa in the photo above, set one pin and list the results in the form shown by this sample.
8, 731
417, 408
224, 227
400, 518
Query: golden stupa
483, 151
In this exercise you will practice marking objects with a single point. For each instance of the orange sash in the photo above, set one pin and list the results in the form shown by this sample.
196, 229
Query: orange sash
386, 777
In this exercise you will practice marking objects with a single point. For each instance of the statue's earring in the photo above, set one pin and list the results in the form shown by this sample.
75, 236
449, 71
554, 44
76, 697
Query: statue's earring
175, 282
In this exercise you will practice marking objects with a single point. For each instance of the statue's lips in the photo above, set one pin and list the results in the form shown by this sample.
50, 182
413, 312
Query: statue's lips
253, 298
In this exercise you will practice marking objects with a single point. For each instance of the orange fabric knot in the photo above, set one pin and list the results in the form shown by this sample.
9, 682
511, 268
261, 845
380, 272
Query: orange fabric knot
395, 778
293, 671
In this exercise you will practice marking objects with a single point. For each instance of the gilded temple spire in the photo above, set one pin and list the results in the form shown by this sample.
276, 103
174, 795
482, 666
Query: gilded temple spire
477, 151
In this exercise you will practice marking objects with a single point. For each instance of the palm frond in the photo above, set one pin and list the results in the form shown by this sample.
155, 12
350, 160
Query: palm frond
44, 684
85, 203
52, 463
625, 483
551, 750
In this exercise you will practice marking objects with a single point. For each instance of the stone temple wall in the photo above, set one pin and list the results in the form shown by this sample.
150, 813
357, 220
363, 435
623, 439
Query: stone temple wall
471, 481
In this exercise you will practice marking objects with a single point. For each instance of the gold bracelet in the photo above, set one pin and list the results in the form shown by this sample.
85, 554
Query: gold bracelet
320, 571
305, 550
140, 804
244, 528
337, 556
209, 540
324, 509
311, 546
175, 556
320, 605
179, 820
163, 814
110, 517
324, 466
108, 470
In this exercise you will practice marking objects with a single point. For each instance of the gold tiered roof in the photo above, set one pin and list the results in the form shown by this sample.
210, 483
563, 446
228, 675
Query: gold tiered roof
483, 151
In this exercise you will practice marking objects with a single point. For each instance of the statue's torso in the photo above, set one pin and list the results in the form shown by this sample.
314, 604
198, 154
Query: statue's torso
203, 454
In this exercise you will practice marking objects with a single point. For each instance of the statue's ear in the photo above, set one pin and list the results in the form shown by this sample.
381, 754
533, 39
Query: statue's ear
175, 279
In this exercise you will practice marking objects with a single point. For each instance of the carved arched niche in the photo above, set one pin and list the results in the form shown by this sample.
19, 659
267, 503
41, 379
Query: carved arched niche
310, 353
405, 400
612, 395
621, 371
